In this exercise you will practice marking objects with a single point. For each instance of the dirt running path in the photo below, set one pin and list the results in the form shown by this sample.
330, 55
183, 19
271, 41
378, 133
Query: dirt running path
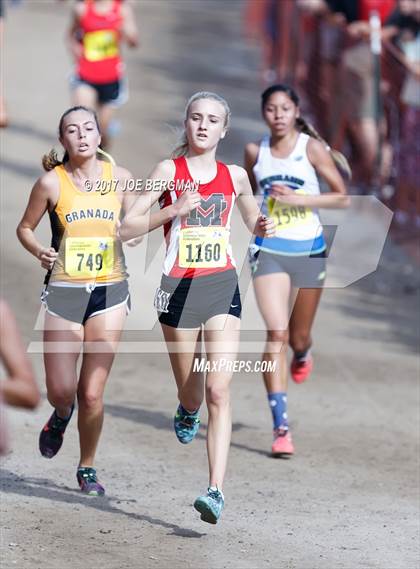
349, 497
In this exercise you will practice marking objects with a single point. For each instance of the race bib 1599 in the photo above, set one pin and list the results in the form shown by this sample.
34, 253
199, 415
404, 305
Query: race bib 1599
286, 215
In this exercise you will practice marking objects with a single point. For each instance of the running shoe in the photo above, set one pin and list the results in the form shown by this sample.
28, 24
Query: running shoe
301, 369
282, 446
52, 435
210, 506
88, 481
186, 425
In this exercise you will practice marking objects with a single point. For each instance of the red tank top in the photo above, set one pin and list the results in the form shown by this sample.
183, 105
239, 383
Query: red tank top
101, 61
199, 244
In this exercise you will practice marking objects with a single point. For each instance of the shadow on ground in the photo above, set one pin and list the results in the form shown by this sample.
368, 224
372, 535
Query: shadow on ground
32, 487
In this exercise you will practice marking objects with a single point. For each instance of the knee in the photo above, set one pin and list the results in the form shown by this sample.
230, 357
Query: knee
277, 339
60, 396
217, 395
90, 400
300, 340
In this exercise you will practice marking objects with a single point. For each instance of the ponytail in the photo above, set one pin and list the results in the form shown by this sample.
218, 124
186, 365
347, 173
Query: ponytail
339, 159
50, 160
181, 148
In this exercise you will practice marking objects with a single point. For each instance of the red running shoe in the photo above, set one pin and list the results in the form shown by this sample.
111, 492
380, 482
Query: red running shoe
301, 369
282, 446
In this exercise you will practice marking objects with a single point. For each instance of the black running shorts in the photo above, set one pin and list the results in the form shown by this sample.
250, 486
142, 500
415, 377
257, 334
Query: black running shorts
77, 304
114, 93
190, 302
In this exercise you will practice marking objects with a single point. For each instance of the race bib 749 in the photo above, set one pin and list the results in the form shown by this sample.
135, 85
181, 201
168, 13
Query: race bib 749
89, 256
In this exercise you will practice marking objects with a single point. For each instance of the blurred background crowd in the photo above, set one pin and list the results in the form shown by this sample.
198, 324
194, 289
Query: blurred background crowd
356, 66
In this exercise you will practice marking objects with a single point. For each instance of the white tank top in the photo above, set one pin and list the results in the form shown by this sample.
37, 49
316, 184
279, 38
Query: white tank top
298, 229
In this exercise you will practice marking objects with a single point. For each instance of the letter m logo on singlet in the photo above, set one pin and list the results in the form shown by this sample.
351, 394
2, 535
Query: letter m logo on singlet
209, 212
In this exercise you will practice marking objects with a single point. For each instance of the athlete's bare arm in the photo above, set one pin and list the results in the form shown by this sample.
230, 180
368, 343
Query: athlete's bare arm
250, 159
139, 220
73, 41
44, 196
323, 163
257, 224
129, 28
19, 388
127, 195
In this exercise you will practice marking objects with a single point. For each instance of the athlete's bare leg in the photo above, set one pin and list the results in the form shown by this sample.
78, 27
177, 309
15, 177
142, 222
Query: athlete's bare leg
105, 114
302, 318
61, 367
272, 292
102, 332
189, 382
85, 96
221, 335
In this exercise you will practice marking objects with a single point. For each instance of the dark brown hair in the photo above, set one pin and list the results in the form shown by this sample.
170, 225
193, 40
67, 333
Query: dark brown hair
51, 160
303, 126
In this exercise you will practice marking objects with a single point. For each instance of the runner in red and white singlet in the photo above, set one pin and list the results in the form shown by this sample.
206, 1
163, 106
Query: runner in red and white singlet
211, 217
198, 298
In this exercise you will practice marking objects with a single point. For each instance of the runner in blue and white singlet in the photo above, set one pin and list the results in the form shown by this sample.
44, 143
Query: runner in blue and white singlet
298, 228
289, 269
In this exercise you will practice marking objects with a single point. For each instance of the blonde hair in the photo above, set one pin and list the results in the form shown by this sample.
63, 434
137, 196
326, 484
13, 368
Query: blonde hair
51, 160
181, 148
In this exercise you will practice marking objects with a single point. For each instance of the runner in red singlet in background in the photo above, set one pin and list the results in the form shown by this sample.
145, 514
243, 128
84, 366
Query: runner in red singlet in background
96, 34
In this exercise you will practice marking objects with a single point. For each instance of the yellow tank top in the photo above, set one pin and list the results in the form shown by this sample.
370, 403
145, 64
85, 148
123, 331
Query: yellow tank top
83, 226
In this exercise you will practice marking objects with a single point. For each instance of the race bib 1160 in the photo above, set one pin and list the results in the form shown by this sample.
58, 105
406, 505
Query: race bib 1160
203, 247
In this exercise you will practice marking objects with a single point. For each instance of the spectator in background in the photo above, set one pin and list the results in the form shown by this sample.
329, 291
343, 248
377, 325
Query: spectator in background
19, 388
271, 29
354, 109
262, 26
275, 25
403, 27
319, 49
